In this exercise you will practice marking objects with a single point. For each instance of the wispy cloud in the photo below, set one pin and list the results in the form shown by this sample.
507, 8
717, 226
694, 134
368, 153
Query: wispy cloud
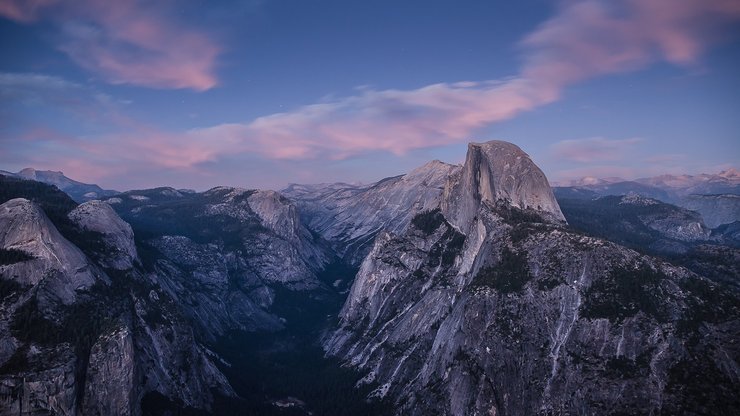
389, 120
125, 41
593, 149
593, 37
584, 39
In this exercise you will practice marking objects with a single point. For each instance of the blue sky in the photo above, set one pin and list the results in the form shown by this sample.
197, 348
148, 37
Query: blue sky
262, 93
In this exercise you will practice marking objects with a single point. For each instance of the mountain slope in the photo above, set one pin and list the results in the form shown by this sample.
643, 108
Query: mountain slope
350, 217
204, 303
483, 307
716, 209
224, 252
76, 336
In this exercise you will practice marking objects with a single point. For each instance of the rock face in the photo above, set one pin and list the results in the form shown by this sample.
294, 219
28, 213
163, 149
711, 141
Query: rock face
112, 384
220, 289
57, 265
76, 340
117, 235
262, 227
496, 307
280, 248
716, 209
349, 216
497, 172
51, 390
224, 252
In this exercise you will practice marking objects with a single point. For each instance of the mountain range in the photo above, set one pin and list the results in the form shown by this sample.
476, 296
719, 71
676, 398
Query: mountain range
726, 181
715, 196
78, 191
453, 289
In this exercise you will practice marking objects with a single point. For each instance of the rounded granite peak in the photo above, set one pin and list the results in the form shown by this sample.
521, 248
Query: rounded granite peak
22, 205
499, 146
498, 172
99, 217
58, 263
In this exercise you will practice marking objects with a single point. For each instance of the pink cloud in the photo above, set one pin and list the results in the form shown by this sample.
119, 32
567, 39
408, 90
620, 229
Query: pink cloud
391, 120
125, 41
592, 37
583, 40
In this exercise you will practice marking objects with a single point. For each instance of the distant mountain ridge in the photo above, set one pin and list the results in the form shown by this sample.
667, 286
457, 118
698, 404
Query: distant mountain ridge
714, 196
79, 191
724, 182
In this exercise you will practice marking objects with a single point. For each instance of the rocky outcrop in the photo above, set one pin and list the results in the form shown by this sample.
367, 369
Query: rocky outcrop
260, 227
172, 358
58, 267
486, 307
497, 172
50, 388
112, 385
222, 253
119, 251
350, 216
295, 242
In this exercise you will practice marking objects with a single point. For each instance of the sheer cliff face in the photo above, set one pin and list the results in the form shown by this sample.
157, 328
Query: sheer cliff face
498, 172
491, 305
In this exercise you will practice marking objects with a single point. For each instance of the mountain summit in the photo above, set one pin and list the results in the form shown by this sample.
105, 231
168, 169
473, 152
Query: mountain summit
496, 172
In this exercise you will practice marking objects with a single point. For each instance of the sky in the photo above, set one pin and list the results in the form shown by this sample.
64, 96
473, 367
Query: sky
134, 94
